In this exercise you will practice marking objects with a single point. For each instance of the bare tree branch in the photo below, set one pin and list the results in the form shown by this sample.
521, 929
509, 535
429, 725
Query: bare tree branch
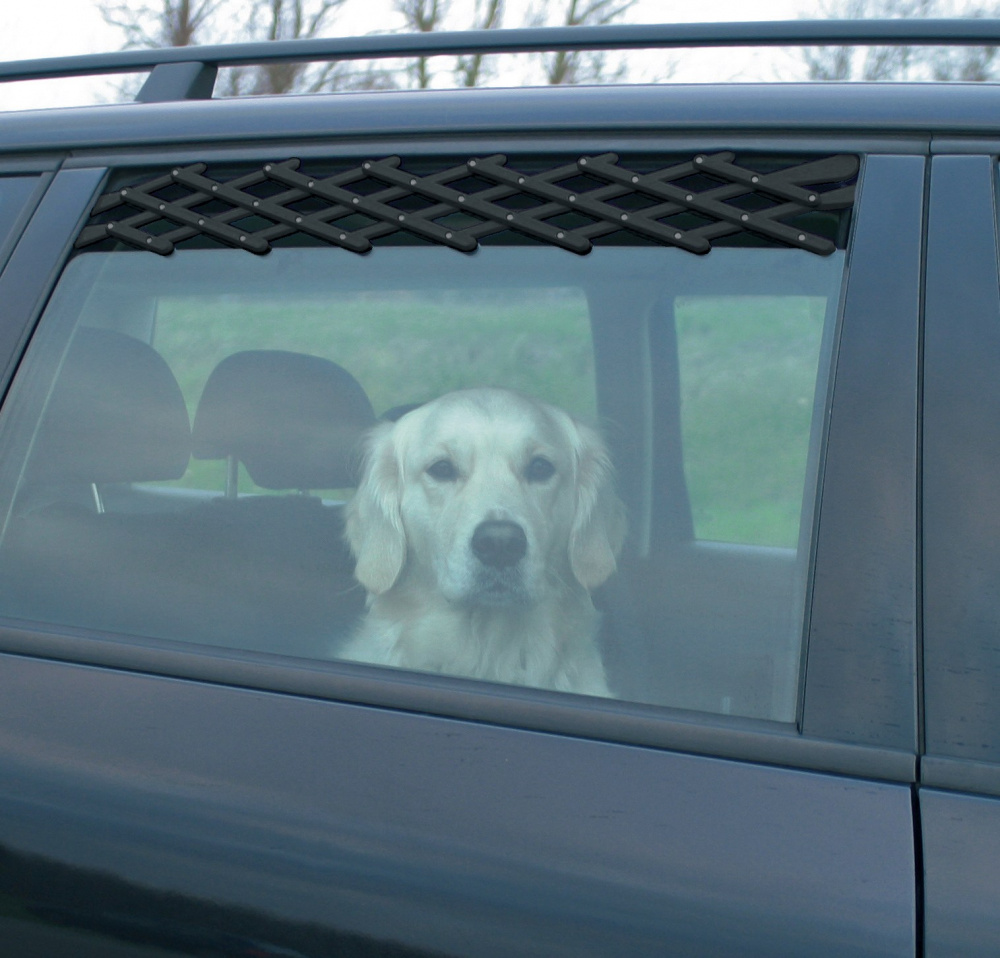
422, 16
901, 62
169, 23
488, 15
184, 22
289, 20
977, 64
580, 66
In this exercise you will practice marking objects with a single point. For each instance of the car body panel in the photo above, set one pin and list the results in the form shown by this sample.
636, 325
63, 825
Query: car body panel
961, 851
437, 834
961, 432
820, 110
961, 413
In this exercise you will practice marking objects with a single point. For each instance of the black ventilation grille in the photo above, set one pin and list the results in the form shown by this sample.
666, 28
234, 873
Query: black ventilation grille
687, 204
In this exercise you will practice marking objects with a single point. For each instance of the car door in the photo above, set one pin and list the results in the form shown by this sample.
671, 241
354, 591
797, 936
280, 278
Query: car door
178, 787
958, 800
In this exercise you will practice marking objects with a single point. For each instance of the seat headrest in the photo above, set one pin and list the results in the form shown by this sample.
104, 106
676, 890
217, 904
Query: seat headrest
292, 419
116, 414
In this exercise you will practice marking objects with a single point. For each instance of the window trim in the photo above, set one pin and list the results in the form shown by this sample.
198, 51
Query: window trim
534, 710
40, 254
861, 652
960, 426
828, 745
37, 184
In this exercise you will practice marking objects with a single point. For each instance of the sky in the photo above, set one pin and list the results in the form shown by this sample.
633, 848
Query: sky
50, 28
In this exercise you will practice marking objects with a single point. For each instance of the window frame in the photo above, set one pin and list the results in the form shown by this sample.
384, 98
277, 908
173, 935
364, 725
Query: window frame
825, 741
861, 652
37, 181
39, 243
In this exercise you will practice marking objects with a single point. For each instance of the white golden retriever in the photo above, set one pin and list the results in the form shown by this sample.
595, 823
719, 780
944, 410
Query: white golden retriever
481, 521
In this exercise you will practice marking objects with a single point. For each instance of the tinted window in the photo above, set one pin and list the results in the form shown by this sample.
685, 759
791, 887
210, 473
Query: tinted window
593, 474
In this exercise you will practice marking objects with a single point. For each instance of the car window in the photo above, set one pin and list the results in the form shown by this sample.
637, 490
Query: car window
403, 345
511, 463
748, 367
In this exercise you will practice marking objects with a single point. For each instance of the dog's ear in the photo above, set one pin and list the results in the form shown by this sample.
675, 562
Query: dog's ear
374, 524
599, 522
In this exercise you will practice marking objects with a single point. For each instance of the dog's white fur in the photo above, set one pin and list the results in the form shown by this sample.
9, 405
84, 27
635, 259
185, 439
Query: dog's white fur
433, 603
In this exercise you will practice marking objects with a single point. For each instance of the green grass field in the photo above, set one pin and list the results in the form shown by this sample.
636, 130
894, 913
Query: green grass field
402, 348
748, 369
748, 377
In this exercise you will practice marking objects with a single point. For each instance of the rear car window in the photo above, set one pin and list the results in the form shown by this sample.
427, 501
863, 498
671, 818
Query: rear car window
442, 440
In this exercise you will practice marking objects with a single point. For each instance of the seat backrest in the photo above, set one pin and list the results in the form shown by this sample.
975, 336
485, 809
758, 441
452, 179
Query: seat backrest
293, 420
116, 414
269, 573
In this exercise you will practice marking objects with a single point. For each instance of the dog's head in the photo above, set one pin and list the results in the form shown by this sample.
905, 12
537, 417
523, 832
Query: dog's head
487, 497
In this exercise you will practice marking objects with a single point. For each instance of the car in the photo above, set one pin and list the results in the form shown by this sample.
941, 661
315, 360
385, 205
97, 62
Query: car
777, 305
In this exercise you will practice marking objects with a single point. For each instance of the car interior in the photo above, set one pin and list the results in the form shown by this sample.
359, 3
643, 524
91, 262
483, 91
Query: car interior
107, 531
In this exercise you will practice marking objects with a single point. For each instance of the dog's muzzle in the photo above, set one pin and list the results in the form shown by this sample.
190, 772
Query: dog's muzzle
499, 544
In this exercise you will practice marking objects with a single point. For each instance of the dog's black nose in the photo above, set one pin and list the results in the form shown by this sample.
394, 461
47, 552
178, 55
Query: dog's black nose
499, 543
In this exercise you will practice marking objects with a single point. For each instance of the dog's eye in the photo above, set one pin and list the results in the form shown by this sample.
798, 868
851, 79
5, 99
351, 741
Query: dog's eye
443, 470
539, 470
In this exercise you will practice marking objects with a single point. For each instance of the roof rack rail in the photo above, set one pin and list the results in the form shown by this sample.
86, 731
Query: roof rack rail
179, 73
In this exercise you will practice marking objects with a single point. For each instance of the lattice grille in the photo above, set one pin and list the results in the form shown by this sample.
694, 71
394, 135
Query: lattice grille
568, 206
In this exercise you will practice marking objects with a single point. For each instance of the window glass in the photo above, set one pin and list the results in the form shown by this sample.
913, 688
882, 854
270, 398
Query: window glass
748, 370
403, 345
587, 473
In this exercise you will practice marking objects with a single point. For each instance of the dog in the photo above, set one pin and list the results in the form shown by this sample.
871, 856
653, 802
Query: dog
481, 523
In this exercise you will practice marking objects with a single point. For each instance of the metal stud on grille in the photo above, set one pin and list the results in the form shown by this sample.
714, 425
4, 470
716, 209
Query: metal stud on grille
567, 206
